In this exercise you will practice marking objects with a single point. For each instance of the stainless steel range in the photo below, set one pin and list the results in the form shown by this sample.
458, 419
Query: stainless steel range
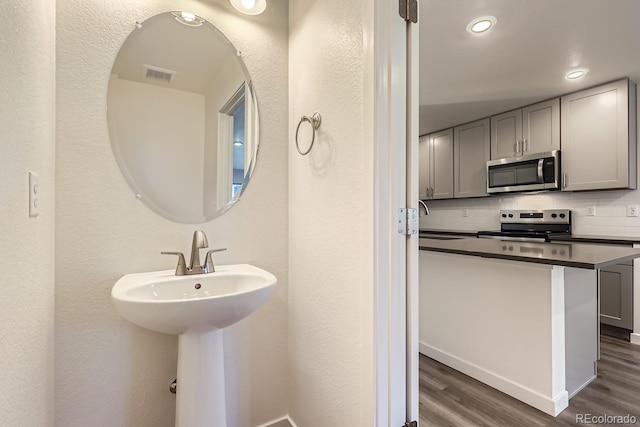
531, 225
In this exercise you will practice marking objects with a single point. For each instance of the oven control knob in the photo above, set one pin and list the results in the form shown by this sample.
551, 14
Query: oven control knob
504, 215
554, 215
510, 215
562, 215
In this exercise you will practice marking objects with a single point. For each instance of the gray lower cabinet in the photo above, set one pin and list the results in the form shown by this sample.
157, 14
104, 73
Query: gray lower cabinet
616, 296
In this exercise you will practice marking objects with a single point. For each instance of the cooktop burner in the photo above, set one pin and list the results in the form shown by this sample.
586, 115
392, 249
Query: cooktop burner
536, 225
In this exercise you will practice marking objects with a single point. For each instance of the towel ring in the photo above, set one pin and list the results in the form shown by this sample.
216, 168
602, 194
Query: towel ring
314, 121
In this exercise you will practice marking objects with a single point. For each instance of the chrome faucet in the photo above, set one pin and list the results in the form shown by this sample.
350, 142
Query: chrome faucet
199, 242
424, 206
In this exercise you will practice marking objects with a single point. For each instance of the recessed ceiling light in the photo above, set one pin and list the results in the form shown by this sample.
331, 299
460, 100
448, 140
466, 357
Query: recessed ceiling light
481, 24
188, 19
250, 7
576, 74
238, 143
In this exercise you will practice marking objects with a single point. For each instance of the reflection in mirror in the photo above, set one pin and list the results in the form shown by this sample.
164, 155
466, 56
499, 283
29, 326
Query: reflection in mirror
182, 117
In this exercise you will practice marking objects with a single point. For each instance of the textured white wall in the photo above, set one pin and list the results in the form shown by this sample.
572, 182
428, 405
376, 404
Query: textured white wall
109, 372
330, 200
27, 136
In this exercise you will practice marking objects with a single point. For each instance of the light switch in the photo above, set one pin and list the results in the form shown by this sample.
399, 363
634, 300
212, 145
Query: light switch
34, 189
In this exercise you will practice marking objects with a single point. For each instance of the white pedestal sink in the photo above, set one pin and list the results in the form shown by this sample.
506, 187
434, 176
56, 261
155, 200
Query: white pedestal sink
196, 308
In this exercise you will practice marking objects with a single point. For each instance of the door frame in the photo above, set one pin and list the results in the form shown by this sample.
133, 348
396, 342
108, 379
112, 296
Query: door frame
392, 58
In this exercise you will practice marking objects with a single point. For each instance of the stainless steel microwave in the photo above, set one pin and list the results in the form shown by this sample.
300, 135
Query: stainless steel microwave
527, 173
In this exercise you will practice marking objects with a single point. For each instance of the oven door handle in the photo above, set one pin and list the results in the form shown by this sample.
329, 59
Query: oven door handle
540, 171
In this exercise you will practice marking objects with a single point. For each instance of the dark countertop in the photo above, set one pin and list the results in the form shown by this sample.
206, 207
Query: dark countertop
461, 233
577, 238
609, 240
567, 254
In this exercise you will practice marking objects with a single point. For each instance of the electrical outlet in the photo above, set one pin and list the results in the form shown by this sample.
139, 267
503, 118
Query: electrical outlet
591, 210
465, 213
632, 210
34, 182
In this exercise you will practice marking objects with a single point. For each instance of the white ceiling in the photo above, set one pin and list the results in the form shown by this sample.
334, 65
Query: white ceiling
524, 58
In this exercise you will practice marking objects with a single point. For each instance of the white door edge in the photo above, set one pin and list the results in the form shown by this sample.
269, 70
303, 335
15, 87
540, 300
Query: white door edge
412, 261
387, 55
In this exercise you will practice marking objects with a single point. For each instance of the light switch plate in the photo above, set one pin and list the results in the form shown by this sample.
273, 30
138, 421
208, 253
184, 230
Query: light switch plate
34, 189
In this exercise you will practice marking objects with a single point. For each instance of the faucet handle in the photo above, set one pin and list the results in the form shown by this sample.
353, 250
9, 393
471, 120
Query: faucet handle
181, 268
208, 261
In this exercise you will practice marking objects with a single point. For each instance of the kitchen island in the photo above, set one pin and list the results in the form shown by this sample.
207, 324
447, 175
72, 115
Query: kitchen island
521, 317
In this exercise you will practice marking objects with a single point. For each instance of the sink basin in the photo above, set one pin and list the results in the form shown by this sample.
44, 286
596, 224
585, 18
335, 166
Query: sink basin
171, 304
196, 308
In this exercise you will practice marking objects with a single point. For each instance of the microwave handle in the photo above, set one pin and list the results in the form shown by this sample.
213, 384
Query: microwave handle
540, 171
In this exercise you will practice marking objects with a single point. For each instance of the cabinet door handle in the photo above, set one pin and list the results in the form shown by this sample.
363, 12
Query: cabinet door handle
564, 181
431, 189
515, 147
525, 146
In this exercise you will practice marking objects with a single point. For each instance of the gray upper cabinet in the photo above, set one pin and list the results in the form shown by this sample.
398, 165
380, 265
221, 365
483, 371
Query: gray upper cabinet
528, 130
424, 190
471, 144
599, 137
436, 165
541, 127
506, 133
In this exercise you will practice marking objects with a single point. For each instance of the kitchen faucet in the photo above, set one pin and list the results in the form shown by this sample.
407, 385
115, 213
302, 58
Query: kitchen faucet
424, 206
199, 242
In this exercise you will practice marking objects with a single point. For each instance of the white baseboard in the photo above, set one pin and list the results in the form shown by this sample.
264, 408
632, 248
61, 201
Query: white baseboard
579, 389
635, 339
552, 406
280, 422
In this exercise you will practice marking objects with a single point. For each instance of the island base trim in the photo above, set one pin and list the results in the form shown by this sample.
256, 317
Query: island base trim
635, 338
579, 389
552, 406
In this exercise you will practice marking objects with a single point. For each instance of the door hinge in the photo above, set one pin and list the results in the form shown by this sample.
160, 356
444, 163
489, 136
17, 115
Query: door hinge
409, 10
411, 424
408, 221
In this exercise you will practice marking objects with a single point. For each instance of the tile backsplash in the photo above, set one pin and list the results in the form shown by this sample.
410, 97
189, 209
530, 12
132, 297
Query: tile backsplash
610, 217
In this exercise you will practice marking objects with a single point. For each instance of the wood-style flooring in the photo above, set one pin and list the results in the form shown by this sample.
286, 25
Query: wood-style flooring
449, 398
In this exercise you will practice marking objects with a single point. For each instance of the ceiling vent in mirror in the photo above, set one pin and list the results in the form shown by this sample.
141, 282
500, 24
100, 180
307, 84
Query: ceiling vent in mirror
157, 73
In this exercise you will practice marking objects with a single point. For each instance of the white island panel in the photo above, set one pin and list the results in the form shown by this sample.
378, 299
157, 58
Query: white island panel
504, 323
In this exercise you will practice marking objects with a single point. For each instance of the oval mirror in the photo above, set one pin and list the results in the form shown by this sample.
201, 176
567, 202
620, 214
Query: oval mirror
183, 118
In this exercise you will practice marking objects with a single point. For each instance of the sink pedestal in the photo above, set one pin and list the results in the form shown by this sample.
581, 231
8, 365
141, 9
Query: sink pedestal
200, 397
196, 308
